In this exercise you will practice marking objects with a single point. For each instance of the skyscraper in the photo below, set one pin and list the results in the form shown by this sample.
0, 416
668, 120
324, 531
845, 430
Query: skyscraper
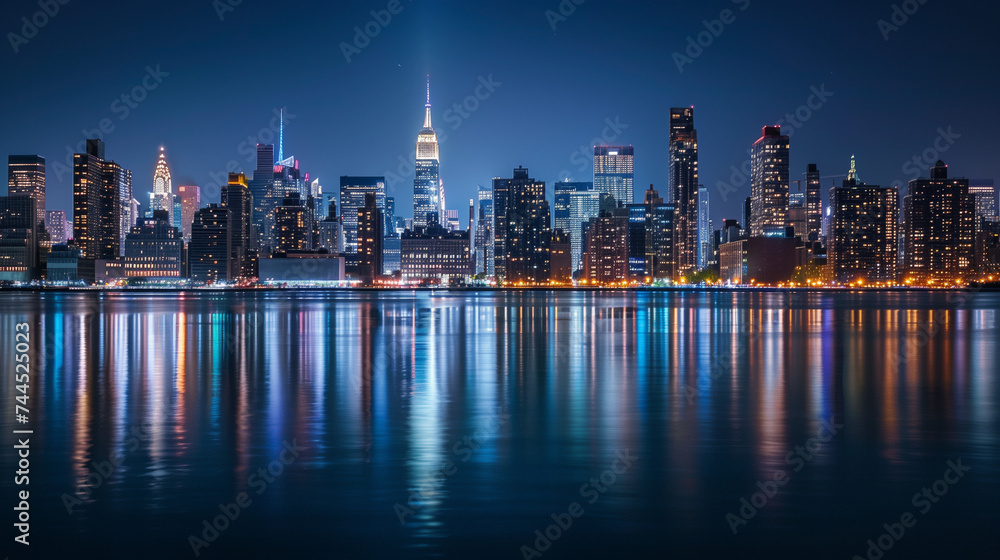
116, 209
522, 226
769, 183
19, 232
292, 227
237, 198
88, 180
264, 199
371, 237
427, 183
705, 245
154, 249
660, 232
211, 245
26, 176
485, 255
162, 197
864, 241
814, 204
607, 256
190, 203
352, 199
683, 154
939, 227
986, 199
614, 172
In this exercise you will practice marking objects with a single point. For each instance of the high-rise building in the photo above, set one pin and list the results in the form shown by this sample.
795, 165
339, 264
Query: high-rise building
939, 228
434, 254
162, 197
371, 240
292, 227
705, 234
864, 237
427, 183
522, 229
389, 216
329, 230
264, 199
814, 205
986, 200
60, 230
614, 172
798, 218
237, 198
352, 199
485, 255
769, 183
211, 245
660, 231
684, 182
637, 242
450, 220
154, 249
606, 261
102, 204
575, 205
26, 176
19, 233
190, 203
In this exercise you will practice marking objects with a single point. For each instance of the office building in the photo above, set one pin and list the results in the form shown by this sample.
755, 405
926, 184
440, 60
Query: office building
986, 200
26, 177
292, 226
661, 263
485, 255
684, 182
814, 205
102, 206
705, 234
561, 259
606, 260
19, 235
614, 172
264, 199
434, 254
237, 198
769, 183
352, 199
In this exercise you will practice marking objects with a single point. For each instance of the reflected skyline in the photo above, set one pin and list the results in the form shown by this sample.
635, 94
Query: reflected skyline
710, 390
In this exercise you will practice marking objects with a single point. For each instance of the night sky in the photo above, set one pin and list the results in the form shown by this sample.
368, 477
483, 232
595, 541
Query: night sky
558, 89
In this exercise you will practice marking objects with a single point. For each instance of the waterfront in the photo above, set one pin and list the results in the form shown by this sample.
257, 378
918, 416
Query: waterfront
499, 408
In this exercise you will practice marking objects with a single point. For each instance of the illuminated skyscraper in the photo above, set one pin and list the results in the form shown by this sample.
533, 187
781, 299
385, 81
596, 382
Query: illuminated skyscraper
705, 234
522, 224
614, 171
264, 199
427, 183
371, 240
864, 238
352, 200
211, 245
102, 204
814, 204
769, 183
237, 198
575, 205
59, 229
986, 199
26, 177
683, 154
485, 260
660, 231
162, 197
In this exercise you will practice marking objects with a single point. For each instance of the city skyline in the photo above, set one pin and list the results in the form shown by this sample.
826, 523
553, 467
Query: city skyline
472, 153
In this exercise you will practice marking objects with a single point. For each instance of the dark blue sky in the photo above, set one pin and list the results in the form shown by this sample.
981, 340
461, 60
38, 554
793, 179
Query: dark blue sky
607, 62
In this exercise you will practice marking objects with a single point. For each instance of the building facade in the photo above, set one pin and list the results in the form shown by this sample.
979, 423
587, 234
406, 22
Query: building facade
939, 228
864, 236
211, 246
427, 182
614, 172
154, 249
684, 182
769, 183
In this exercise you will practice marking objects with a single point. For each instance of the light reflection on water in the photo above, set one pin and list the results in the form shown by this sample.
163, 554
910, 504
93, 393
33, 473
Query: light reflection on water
710, 390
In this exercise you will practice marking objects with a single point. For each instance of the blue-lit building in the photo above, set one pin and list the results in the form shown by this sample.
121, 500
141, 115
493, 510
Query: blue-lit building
427, 182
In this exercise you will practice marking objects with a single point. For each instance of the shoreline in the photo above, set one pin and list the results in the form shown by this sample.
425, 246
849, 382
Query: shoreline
665, 289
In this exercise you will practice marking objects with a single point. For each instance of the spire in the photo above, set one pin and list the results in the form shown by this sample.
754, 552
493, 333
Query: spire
427, 108
852, 175
281, 137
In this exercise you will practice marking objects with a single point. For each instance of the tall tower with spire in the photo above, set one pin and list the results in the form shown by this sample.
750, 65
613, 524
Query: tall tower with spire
427, 183
162, 197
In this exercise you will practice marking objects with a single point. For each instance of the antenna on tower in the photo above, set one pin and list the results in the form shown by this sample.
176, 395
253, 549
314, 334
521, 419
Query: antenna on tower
281, 137
428, 90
